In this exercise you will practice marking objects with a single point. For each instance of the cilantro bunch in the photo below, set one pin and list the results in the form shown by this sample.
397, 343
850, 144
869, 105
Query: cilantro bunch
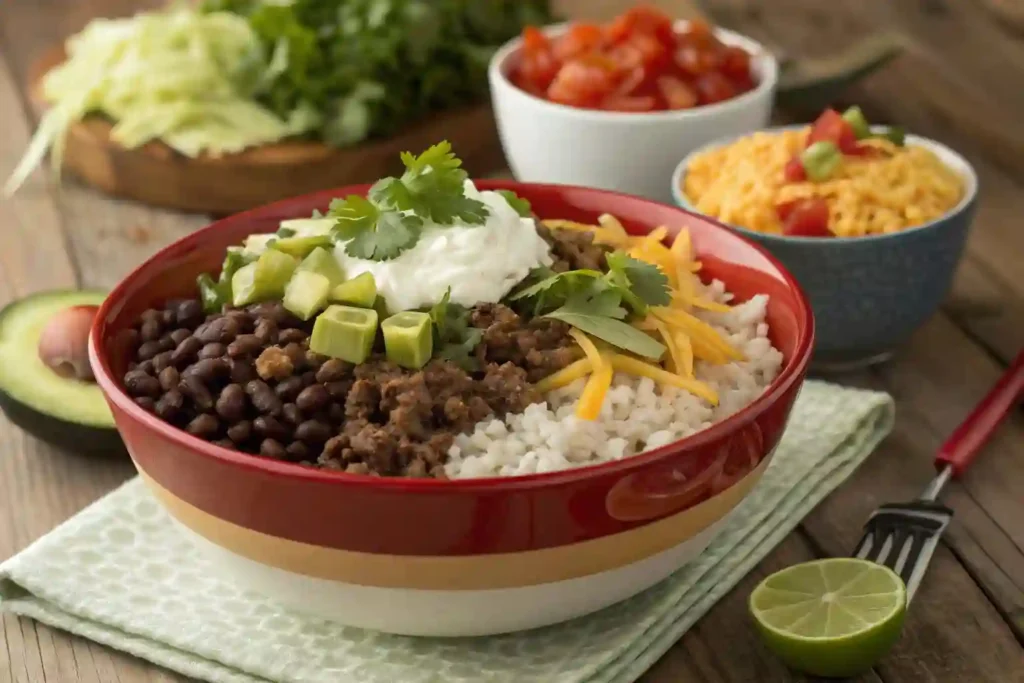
365, 68
600, 304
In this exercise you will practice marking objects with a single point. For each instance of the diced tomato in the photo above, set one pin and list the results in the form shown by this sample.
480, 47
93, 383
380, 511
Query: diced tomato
807, 218
534, 40
631, 82
695, 60
862, 150
714, 87
628, 103
677, 94
735, 63
794, 171
649, 19
581, 38
536, 71
832, 127
652, 51
582, 82
626, 57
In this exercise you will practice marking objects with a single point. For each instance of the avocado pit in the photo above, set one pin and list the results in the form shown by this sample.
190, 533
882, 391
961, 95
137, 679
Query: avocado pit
64, 343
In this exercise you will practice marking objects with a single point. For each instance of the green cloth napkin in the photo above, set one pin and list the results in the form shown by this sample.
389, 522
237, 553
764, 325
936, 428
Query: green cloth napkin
120, 574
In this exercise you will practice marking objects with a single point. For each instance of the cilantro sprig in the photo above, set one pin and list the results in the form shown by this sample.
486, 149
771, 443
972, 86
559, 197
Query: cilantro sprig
454, 338
600, 303
391, 217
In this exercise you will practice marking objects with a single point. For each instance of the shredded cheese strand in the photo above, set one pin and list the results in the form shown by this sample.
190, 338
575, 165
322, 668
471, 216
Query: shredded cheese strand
566, 376
592, 398
634, 366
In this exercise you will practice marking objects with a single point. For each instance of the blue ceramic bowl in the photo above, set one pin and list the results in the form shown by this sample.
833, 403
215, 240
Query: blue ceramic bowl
870, 293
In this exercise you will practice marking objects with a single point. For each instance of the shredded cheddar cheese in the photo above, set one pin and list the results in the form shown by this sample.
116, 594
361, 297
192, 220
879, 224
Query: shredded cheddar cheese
686, 337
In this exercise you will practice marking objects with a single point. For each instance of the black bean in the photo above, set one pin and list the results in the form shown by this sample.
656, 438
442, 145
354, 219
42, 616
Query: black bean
146, 403
297, 451
272, 449
292, 414
240, 431
295, 352
208, 369
263, 397
224, 443
245, 320
189, 313
212, 350
291, 336
150, 330
161, 361
289, 388
314, 360
193, 387
313, 398
336, 413
231, 403
242, 371
223, 329
149, 349
204, 425
151, 314
170, 404
270, 427
139, 383
339, 390
244, 345
146, 366
179, 335
313, 431
308, 377
169, 378
266, 331
332, 370
167, 316
186, 351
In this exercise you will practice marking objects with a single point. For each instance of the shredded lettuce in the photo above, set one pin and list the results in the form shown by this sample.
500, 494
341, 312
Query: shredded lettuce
181, 76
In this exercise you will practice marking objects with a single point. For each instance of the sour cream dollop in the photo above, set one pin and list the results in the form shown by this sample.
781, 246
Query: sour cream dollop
480, 263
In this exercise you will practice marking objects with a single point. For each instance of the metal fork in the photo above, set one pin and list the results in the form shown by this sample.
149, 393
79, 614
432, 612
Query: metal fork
903, 536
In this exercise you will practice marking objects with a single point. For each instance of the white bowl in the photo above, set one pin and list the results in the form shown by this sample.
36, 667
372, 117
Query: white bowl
546, 142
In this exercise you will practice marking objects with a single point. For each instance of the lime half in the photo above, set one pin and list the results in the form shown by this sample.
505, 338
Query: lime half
834, 617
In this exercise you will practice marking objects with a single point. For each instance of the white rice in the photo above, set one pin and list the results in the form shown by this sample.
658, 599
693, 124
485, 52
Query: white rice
637, 415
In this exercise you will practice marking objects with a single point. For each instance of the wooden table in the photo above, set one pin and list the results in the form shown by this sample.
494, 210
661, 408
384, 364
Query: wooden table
960, 84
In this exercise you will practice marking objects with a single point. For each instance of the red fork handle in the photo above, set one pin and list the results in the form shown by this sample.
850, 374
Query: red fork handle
960, 449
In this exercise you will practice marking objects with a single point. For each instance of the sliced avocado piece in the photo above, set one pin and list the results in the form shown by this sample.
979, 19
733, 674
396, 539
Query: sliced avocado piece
359, 291
306, 293
243, 286
255, 245
408, 339
345, 332
264, 279
322, 262
66, 412
300, 246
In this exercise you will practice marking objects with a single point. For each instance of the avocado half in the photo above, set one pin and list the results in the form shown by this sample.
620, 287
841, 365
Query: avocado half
65, 412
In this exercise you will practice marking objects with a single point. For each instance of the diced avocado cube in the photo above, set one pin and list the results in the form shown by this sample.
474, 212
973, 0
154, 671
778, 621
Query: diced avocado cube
306, 293
300, 246
359, 291
380, 304
273, 271
408, 339
256, 244
243, 286
307, 227
322, 262
855, 117
345, 332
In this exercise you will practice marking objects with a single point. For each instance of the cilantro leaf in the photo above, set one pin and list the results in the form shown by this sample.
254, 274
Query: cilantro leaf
454, 339
461, 353
600, 314
372, 232
645, 280
560, 285
433, 186
521, 206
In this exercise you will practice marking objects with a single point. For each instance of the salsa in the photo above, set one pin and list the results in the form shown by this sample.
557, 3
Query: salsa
638, 62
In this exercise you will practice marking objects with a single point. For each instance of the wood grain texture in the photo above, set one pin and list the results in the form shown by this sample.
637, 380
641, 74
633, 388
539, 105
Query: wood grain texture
967, 623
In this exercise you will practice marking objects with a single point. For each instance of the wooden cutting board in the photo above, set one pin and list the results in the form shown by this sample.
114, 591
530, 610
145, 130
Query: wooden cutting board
158, 175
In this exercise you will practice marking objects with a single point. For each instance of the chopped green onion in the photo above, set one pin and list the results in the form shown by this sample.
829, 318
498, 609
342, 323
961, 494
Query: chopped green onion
821, 160
855, 117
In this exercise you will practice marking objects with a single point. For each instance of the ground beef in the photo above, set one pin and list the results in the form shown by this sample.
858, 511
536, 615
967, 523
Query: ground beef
574, 249
246, 379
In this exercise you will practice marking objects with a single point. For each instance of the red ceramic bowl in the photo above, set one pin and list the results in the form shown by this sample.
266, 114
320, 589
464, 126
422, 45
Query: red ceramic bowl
475, 556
